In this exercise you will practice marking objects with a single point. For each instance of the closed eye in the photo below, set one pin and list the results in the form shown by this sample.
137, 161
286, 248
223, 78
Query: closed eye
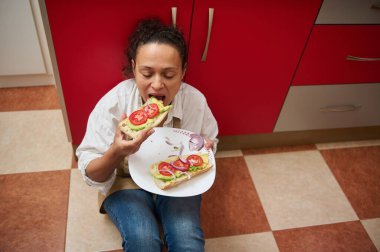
169, 76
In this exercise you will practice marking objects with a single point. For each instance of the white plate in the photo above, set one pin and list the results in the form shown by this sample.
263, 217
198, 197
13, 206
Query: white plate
155, 149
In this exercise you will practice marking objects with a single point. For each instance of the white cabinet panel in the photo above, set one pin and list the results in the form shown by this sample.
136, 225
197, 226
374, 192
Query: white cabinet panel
349, 12
333, 106
20, 50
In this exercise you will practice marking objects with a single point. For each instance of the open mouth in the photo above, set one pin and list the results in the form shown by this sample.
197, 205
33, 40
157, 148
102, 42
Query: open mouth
158, 97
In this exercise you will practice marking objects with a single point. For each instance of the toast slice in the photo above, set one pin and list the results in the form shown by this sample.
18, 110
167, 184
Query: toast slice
131, 130
177, 177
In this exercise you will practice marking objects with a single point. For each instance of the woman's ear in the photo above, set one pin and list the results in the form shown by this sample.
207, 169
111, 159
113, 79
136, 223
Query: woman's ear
184, 71
133, 67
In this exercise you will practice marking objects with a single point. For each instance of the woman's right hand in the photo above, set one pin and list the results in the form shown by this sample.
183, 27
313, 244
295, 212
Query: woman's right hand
100, 169
125, 147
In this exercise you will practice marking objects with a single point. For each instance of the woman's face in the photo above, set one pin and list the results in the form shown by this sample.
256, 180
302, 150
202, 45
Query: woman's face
158, 71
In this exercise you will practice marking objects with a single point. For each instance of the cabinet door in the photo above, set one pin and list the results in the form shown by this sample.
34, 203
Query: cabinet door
253, 52
326, 59
349, 12
330, 106
89, 39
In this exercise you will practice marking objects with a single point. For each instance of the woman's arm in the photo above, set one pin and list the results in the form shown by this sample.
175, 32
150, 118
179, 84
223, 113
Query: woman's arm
100, 169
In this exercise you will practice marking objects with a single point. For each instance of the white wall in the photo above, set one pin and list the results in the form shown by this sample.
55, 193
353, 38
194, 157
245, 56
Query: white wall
24, 54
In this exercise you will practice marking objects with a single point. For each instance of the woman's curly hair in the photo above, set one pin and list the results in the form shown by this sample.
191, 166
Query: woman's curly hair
154, 31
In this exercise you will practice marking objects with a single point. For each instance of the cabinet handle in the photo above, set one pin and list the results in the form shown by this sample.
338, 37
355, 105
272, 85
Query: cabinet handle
174, 16
354, 58
210, 18
375, 6
340, 108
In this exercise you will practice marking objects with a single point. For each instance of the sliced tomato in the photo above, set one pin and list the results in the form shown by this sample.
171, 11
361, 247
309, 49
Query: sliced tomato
138, 117
181, 166
164, 168
152, 110
195, 160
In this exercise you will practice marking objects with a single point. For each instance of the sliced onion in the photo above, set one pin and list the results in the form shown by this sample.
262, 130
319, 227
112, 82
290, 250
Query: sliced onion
180, 168
181, 149
172, 173
196, 142
183, 160
187, 174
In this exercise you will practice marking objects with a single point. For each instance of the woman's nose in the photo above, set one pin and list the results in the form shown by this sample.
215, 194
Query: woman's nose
157, 83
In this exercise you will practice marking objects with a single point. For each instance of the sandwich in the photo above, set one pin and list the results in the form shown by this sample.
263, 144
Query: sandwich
178, 169
148, 116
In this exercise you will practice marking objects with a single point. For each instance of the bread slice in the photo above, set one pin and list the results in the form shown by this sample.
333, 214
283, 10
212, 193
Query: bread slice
185, 176
123, 125
172, 183
154, 122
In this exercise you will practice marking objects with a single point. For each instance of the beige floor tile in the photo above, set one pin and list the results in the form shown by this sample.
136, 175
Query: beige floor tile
87, 229
297, 189
263, 242
33, 141
230, 153
372, 226
349, 144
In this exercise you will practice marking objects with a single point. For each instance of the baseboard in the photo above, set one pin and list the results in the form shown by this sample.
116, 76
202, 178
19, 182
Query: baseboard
297, 138
26, 80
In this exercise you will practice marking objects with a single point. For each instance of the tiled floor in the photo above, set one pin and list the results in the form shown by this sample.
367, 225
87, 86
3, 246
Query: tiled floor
323, 197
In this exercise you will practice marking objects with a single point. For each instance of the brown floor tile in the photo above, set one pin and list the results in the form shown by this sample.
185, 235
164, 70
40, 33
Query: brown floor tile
347, 237
232, 206
29, 98
33, 211
279, 149
357, 170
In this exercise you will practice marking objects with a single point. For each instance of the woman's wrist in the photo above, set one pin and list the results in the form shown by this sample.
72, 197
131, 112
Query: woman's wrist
114, 155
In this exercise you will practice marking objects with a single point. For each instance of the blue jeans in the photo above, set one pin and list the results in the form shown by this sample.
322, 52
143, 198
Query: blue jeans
139, 217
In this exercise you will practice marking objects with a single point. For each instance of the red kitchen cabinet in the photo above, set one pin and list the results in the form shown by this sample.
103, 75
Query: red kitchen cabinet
336, 84
254, 49
89, 38
253, 52
326, 59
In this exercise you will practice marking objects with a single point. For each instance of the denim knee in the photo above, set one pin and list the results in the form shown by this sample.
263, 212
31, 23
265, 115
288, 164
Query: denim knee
133, 214
180, 218
141, 239
184, 235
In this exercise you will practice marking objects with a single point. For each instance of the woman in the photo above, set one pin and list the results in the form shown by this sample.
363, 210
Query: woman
157, 58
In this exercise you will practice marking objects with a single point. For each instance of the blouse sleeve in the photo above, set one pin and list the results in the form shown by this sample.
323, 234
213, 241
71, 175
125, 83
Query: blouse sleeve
99, 136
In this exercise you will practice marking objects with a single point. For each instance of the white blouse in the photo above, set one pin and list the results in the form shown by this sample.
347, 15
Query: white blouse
189, 105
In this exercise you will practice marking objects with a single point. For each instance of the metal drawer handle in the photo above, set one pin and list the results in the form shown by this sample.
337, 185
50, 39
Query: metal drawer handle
354, 58
210, 18
174, 16
340, 108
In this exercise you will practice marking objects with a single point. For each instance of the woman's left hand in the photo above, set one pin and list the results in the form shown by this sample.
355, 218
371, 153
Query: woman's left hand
209, 144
